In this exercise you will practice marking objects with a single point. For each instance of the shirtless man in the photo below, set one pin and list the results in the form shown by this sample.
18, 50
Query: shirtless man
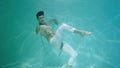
55, 38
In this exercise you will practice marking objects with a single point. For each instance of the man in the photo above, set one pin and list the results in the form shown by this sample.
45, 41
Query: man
55, 38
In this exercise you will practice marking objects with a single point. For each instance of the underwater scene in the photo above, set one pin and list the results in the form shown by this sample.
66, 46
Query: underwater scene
21, 47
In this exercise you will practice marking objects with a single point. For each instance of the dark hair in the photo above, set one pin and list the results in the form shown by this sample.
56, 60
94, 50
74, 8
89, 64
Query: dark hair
40, 13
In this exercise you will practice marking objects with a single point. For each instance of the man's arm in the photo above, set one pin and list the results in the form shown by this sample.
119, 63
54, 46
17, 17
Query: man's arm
37, 29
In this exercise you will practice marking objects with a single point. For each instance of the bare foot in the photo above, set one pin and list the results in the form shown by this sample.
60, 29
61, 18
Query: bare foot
82, 32
87, 33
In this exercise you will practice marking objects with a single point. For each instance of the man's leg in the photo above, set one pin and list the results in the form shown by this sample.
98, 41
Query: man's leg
72, 29
69, 50
66, 48
59, 32
65, 27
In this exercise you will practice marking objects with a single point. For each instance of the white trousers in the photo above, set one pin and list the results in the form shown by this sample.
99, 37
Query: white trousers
56, 41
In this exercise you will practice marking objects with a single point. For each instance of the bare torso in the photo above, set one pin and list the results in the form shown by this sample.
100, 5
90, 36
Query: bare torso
46, 31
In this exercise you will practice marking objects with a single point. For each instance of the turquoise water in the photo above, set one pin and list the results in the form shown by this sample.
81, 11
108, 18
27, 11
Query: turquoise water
20, 47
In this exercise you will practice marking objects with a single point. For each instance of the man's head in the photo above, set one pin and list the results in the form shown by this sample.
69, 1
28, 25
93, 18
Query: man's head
40, 16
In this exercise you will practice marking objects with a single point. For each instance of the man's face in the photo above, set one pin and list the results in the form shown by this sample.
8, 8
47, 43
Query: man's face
40, 18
